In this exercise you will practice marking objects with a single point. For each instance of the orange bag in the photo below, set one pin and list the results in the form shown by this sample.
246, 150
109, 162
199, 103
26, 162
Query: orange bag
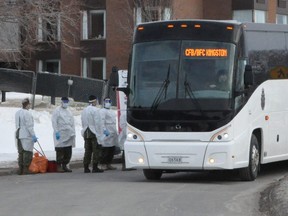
39, 164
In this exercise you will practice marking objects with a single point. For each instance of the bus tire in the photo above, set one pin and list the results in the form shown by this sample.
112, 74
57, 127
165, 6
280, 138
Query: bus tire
250, 173
151, 174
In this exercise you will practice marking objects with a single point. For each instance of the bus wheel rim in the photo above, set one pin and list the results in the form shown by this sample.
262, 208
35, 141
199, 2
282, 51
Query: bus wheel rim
255, 159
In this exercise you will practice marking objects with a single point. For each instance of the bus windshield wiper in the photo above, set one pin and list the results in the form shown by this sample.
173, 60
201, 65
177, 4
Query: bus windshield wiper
191, 95
163, 89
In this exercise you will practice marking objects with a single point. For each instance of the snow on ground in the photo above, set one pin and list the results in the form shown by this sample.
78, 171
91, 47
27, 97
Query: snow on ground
42, 126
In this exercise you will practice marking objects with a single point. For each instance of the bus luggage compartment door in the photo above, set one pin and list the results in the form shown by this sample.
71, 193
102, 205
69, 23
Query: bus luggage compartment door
176, 155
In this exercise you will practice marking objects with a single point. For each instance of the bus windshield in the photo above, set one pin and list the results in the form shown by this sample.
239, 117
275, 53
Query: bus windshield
182, 75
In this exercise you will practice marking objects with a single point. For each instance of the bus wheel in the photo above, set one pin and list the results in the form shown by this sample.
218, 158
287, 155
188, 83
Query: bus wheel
250, 173
151, 174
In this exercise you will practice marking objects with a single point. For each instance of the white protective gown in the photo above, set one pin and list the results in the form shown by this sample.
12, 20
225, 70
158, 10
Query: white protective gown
63, 122
90, 117
109, 123
24, 120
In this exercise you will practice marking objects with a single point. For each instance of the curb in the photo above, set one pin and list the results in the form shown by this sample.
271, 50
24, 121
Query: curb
73, 165
8, 171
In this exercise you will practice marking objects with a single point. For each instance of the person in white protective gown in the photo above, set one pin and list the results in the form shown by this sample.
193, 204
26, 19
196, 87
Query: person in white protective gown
64, 134
25, 137
92, 134
110, 138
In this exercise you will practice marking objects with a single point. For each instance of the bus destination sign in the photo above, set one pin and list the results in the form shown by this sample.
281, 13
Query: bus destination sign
206, 52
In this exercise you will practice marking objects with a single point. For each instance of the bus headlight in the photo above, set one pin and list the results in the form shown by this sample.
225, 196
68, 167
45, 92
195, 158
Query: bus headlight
133, 135
141, 160
211, 160
222, 135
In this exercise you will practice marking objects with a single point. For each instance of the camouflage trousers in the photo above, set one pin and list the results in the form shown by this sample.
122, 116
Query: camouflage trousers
92, 149
63, 154
24, 157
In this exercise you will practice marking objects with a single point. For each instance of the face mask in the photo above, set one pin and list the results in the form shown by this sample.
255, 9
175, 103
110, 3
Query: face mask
65, 105
222, 78
107, 105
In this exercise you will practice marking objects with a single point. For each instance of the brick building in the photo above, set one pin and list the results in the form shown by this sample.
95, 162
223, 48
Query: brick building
106, 28
102, 44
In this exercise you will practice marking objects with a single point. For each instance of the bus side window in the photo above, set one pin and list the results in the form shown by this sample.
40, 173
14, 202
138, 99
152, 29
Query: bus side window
239, 99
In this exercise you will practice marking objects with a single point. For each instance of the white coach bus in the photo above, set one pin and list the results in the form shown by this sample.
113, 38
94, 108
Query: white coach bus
207, 95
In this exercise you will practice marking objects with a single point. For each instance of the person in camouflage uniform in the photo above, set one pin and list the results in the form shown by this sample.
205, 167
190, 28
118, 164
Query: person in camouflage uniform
91, 132
64, 134
110, 140
25, 137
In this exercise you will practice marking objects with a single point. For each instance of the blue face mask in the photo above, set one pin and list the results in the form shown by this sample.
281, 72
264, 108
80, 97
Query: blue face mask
107, 105
65, 105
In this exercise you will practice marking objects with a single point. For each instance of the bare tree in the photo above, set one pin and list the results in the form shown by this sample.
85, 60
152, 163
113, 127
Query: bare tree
141, 11
25, 23
154, 10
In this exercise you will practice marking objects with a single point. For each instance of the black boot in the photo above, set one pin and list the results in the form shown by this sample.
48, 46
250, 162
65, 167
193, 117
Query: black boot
96, 169
65, 168
86, 169
59, 168
26, 171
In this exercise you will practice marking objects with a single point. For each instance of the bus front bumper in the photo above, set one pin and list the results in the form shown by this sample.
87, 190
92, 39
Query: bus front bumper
181, 155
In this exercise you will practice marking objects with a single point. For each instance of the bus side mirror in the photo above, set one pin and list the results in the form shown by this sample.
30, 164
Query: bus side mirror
113, 79
125, 90
248, 76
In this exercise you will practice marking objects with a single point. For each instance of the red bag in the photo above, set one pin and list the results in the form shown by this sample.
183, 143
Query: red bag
39, 164
52, 166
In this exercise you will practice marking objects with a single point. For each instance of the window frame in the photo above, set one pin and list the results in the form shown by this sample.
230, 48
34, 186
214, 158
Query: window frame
42, 36
163, 13
257, 16
86, 66
281, 3
261, 1
41, 63
87, 24
282, 17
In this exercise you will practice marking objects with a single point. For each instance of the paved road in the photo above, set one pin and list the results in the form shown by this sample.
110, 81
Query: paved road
129, 194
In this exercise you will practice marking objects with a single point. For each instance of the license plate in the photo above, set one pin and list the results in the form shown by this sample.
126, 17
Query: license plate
174, 160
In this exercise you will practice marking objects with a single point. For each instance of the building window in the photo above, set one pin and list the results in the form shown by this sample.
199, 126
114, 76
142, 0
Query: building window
256, 16
281, 19
94, 68
49, 29
281, 3
9, 35
151, 14
243, 15
10, 2
51, 66
94, 24
259, 16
